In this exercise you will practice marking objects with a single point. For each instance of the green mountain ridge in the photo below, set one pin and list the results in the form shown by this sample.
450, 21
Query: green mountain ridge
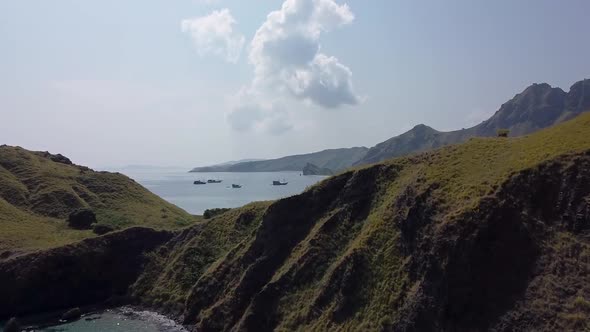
491, 234
39, 190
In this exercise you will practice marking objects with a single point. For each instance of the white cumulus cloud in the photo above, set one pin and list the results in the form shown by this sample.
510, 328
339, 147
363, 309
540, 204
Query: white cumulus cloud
215, 34
288, 61
286, 53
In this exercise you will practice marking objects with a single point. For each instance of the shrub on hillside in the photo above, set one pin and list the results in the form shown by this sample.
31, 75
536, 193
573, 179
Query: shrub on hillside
82, 219
503, 132
210, 213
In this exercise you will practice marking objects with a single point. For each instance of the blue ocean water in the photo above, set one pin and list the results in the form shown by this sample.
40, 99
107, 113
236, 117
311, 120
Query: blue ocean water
176, 186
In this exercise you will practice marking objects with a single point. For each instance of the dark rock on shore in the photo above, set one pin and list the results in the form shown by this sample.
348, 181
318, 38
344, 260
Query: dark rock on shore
82, 219
83, 273
72, 314
12, 325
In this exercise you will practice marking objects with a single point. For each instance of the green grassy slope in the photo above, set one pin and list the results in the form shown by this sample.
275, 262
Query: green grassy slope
452, 238
39, 190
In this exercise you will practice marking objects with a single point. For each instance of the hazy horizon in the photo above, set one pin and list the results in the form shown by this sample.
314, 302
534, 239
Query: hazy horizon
200, 82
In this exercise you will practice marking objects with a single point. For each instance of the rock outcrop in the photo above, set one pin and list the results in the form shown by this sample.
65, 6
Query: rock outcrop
72, 314
81, 219
12, 325
78, 274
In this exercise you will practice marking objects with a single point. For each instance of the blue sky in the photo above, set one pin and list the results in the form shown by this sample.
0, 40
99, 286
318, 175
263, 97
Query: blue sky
119, 82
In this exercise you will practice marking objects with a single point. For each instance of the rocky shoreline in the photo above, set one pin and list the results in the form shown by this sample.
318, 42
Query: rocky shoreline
96, 271
96, 313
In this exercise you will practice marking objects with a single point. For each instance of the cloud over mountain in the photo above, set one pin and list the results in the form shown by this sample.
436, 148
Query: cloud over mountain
288, 61
286, 53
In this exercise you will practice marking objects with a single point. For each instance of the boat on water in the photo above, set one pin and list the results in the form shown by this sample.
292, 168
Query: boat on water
214, 181
199, 182
279, 183
235, 186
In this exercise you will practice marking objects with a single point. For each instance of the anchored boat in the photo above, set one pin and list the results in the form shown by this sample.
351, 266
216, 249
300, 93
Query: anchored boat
199, 182
279, 183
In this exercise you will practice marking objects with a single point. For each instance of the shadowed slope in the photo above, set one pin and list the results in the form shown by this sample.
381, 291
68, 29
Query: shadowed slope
466, 237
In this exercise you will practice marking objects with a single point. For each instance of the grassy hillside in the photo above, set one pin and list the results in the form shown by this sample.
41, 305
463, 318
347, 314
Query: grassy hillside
489, 234
39, 190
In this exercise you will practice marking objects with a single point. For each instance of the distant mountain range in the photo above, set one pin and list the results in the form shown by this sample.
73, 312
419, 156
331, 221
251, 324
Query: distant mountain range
333, 159
537, 107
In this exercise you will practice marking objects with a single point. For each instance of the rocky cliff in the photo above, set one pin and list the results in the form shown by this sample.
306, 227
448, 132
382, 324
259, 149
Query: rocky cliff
488, 235
83, 273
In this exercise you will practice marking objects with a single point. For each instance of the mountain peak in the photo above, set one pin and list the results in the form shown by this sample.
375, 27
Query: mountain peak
578, 98
422, 128
538, 106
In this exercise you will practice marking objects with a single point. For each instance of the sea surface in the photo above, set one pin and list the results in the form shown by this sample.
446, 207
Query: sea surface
176, 186
124, 319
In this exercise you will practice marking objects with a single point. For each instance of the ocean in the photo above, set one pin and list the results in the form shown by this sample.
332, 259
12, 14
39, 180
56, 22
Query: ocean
176, 186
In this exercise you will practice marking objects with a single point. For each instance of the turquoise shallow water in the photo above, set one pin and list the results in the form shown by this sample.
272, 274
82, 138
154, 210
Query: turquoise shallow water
122, 319
176, 186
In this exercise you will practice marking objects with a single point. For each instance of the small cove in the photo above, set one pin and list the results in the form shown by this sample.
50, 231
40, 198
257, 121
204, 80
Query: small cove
122, 319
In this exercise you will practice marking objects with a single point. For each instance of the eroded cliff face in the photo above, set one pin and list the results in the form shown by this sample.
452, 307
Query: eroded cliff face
518, 261
354, 254
88, 272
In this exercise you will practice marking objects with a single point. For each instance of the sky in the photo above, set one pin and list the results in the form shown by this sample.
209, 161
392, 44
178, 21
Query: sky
194, 82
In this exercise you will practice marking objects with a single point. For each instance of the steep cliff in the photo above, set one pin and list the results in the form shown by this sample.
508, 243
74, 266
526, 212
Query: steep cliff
488, 235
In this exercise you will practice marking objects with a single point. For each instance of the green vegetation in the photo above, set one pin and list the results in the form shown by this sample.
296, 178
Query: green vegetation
464, 173
502, 132
210, 213
38, 191
174, 270
366, 249
353, 251
581, 303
